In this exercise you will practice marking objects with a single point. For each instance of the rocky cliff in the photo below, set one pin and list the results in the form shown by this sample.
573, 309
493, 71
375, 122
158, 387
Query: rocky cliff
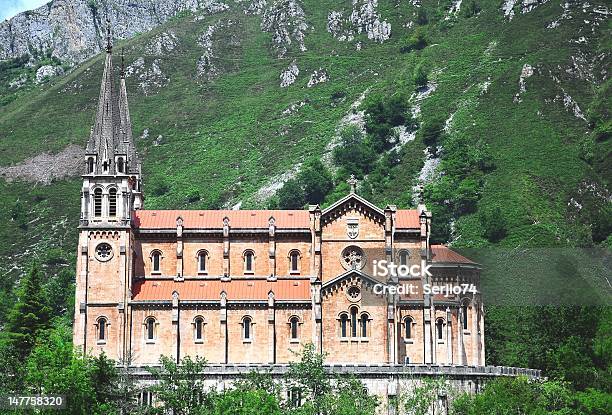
73, 30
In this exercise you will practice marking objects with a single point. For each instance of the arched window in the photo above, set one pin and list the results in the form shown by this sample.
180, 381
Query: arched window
105, 166
464, 316
294, 261
403, 257
363, 325
247, 328
102, 332
90, 165
156, 261
408, 328
198, 324
440, 329
294, 325
150, 328
353, 321
112, 202
120, 165
249, 261
98, 203
202, 261
343, 325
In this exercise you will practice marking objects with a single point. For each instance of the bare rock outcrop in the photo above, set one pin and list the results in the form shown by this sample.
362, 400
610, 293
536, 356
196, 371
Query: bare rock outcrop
73, 30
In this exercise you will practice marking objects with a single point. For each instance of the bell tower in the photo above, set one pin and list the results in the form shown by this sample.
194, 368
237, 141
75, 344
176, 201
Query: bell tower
110, 193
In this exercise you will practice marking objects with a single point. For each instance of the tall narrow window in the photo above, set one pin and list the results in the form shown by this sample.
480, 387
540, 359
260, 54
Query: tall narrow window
294, 322
440, 329
150, 328
407, 328
343, 325
102, 329
249, 261
403, 257
202, 261
464, 316
156, 261
112, 202
247, 329
120, 165
98, 203
295, 261
90, 165
354, 322
363, 325
199, 329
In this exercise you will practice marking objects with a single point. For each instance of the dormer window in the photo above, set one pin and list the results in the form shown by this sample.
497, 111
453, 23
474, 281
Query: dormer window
90, 165
105, 166
120, 165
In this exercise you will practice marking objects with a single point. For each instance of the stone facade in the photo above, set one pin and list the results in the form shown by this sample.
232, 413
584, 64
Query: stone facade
251, 287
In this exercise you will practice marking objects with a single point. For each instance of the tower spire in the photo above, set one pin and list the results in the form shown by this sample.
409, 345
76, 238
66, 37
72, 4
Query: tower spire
106, 131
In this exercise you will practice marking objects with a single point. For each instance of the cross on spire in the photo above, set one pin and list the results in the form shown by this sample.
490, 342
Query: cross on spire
352, 181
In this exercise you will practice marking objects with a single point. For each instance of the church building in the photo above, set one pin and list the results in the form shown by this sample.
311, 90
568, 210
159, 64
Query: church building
254, 286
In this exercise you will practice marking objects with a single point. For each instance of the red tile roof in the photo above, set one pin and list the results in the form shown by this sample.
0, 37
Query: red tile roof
441, 253
211, 289
213, 219
407, 219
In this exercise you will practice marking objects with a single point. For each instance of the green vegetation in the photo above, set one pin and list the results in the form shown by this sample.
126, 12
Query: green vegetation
520, 169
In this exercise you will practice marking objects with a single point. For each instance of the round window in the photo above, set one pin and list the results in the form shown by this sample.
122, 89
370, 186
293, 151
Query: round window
104, 252
353, 294
353, 257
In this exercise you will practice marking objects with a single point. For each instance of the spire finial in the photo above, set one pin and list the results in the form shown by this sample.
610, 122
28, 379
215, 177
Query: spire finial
109, 46
352, 181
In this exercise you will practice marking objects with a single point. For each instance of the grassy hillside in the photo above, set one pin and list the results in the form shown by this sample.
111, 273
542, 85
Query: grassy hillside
517, 109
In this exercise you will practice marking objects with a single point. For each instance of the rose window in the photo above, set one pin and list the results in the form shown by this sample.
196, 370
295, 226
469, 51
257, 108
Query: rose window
104, 251
353, 257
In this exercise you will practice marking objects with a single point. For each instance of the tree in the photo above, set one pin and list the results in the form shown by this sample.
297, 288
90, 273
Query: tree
291, 195
320, 394
246, 402
180, 389
431, 131
29, 316
59, 292
54, 368
316, 181
494, 224
353, 155
470, 9
422, 399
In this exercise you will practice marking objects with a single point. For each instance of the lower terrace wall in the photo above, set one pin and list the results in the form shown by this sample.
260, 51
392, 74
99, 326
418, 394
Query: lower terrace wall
386, 381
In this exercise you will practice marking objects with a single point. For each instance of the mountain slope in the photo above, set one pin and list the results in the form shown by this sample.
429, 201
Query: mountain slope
511, 92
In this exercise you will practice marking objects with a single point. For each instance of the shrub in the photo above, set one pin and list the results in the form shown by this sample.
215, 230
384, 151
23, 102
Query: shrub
422, 18
470, 9
416, 41
494, 225
291, 196
354, 155
420, 77
431, 131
